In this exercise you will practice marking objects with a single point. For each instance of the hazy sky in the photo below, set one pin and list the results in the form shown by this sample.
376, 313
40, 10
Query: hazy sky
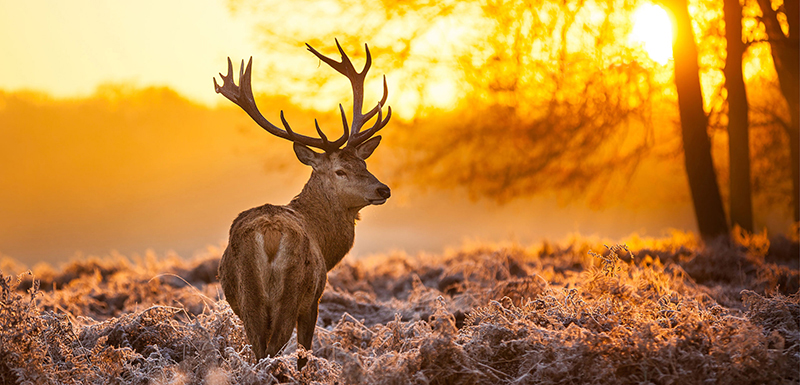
68, 48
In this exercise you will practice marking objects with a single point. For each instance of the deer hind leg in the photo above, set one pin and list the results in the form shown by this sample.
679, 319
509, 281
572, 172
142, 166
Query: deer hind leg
283, 321
257, 329
243, 282
253, 308
286, 286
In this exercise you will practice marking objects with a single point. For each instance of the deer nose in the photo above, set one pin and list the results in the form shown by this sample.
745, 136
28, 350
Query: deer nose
384, 192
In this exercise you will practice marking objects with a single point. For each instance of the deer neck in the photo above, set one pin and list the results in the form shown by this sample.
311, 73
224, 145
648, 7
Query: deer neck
330, 224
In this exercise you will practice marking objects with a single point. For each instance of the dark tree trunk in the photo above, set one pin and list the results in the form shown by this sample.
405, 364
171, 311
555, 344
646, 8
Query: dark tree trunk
741, 203
787, 65
696, 145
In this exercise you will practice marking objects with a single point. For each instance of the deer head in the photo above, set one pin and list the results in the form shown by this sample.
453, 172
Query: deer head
340, 170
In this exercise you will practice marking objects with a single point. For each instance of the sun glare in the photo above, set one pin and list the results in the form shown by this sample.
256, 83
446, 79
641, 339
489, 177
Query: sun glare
652, 28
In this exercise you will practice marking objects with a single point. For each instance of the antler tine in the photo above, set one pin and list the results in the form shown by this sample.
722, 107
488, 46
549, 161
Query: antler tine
339, 142
368, 62
242, 95
358, 91
380, 104
344, 67
319, 131
286, 125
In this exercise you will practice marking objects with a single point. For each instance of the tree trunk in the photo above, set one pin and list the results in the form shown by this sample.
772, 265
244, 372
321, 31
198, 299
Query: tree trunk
787, 65
741, 203
696, 145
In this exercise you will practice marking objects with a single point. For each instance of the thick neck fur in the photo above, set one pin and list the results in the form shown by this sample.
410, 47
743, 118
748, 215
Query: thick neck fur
326, 220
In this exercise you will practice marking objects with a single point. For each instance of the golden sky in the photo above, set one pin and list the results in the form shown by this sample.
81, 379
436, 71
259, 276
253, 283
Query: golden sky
68, 48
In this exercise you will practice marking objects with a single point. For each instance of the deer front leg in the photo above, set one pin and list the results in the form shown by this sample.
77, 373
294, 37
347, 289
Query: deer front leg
306, 323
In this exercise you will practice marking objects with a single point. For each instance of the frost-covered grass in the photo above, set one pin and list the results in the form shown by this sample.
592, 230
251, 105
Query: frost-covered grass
653, 311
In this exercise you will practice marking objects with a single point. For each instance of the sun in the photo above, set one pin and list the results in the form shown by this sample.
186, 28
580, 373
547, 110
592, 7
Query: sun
652, 28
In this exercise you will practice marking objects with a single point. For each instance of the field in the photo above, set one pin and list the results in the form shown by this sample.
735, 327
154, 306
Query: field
659, 311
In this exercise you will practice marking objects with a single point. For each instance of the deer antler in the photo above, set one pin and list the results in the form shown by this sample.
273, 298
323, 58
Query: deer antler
242, 95
345, 67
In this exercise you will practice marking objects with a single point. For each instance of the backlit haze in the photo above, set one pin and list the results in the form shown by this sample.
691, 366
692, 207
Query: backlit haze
148, 156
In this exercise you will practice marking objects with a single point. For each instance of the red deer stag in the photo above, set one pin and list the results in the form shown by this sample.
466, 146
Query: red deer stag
275, 267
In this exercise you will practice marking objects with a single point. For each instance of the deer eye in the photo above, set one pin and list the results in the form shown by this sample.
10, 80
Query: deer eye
341, 173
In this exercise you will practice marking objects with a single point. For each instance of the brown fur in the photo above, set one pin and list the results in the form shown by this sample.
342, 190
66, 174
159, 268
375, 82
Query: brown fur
275, 267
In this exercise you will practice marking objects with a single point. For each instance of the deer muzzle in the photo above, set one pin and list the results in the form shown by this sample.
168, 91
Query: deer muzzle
383, 192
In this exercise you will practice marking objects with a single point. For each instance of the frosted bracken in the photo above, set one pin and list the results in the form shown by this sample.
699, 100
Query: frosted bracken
654, 311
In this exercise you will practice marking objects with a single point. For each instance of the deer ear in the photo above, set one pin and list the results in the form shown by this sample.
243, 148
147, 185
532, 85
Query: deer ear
306, 156
364, 150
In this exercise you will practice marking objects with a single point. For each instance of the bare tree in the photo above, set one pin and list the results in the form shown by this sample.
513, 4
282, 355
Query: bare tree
708, 208
553, 88
786, 56
741, 201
